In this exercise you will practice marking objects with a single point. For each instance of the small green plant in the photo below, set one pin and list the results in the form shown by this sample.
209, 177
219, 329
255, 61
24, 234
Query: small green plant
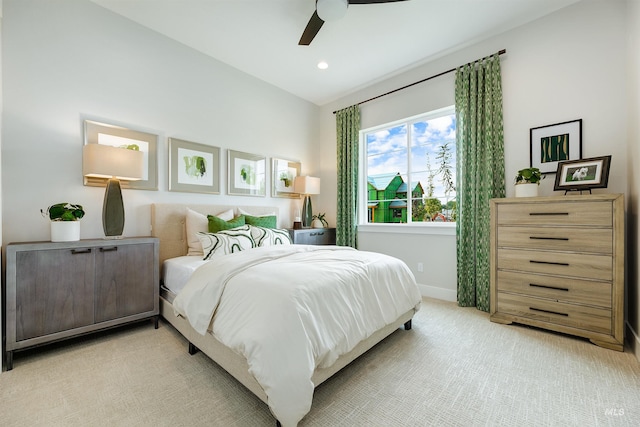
320, 217
529, 176
63, 212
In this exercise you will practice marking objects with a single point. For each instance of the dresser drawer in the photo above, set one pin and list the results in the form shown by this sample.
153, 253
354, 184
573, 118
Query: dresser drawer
577, 316
594, 240
556, 288
576, 213
597, 267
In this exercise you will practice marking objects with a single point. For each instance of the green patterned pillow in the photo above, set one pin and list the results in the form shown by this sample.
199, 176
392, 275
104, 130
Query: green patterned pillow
216, 224
269, 236
226, 242
269, 221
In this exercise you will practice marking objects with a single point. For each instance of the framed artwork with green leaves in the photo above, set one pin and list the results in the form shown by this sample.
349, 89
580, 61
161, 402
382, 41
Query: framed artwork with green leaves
193, 167
555, 143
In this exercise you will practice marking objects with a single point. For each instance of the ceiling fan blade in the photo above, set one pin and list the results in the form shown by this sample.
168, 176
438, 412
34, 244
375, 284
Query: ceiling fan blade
373, 1
314, 25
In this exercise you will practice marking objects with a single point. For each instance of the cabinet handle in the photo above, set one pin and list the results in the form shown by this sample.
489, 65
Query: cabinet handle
549, 311
564, 264
111, 249
549, 287
549, 238
548, 213
80, 251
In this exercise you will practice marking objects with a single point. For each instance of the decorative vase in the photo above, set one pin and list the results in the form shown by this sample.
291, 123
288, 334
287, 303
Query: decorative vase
526, 190
316, 223
65, 231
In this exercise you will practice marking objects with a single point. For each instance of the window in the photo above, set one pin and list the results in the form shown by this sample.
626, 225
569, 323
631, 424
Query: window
410, 169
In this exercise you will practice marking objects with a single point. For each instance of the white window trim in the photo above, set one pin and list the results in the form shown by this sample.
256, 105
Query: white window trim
433, 228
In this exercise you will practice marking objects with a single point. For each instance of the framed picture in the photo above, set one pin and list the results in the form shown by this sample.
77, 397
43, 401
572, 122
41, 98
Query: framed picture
583, 174
555, 143
193, 167
246, 174
118, 136
283, 173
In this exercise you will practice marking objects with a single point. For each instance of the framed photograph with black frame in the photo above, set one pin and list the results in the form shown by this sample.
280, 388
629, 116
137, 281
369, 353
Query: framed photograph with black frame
582, 175
555, 143
193, 167
247, 174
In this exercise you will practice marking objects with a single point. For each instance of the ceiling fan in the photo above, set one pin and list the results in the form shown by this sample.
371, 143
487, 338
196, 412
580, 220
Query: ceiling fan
330, 10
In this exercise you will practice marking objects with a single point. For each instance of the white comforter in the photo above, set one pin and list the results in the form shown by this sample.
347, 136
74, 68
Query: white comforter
290, 309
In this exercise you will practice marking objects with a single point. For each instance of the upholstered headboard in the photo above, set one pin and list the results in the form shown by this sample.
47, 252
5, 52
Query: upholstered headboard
169, 225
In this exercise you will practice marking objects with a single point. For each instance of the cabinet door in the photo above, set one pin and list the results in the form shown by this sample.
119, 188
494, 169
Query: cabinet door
54, 291
124, 281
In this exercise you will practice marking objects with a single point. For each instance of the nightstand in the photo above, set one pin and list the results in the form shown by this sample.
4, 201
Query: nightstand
313, 236
59, 290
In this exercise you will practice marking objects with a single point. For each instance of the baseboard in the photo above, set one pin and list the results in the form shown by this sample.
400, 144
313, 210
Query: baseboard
438, 293
633, 342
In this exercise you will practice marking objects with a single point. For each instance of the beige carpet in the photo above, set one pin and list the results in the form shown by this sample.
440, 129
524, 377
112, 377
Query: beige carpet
455, 368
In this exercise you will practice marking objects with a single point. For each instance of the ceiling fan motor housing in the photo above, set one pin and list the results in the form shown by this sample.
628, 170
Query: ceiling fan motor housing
331, 10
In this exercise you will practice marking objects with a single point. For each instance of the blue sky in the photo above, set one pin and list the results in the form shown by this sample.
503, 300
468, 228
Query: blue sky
387, 149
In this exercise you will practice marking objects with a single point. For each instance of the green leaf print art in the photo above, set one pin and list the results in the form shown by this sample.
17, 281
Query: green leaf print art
195, 166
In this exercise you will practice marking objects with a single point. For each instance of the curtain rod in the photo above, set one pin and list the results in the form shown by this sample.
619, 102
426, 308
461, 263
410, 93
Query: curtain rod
500, 52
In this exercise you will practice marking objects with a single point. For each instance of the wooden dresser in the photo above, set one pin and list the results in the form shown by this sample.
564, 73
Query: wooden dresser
558, 263
61, 290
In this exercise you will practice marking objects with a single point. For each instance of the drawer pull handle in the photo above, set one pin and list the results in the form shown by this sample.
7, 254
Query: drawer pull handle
535, 285
313, 234
548, 213
80, 251
111, 249
548, 311
564, 264
549, 238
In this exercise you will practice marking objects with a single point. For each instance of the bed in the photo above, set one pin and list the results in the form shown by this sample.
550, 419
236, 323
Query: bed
196, 298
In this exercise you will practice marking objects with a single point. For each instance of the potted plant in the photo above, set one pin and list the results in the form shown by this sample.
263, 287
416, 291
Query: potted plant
65, 221
319, 221
527, 182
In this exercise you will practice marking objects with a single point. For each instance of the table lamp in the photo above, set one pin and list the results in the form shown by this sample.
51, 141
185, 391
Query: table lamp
115, 164
307, 185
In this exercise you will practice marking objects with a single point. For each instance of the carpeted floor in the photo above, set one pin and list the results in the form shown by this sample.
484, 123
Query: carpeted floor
454, 368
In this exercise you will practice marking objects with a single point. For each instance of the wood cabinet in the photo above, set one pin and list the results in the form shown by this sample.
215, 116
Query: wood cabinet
558, 263
313, 236
60, 290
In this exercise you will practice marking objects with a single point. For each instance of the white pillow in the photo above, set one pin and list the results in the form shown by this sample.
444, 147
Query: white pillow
226, 242
197, 222
243, 212
269, 236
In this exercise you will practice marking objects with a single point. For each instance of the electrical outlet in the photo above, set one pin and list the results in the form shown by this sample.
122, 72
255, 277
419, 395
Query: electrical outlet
420, 267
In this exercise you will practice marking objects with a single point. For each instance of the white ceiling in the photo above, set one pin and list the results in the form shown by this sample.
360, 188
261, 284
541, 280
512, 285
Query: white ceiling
260, 37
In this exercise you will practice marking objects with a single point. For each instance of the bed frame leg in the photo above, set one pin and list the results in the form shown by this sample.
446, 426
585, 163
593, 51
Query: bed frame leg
407, 325
193, 349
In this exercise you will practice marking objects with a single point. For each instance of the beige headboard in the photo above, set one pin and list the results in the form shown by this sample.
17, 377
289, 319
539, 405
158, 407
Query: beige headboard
168, 223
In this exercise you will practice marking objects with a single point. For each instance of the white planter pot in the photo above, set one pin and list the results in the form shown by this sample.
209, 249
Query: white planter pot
526, 190
316, 223
65, 231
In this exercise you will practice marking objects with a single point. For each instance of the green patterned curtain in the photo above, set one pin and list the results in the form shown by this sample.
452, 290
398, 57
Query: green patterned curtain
480, 174
348, 128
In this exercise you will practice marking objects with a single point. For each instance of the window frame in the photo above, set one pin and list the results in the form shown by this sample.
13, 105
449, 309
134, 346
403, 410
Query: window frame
418, 227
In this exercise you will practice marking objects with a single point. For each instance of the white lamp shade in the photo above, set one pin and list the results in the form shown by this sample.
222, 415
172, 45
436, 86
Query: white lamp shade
306, 185
331, 10
105, 161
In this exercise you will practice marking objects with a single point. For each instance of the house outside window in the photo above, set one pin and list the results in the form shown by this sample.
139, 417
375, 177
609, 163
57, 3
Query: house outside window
410, 170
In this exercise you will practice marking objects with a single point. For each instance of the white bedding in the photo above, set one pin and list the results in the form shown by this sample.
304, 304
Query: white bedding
177, 271
290, 309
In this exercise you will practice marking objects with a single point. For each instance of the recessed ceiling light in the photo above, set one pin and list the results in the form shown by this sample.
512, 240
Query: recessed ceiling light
323, 65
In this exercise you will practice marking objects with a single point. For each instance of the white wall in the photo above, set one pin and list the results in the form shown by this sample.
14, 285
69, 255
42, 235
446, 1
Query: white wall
65, 60
633, 159
565, 66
